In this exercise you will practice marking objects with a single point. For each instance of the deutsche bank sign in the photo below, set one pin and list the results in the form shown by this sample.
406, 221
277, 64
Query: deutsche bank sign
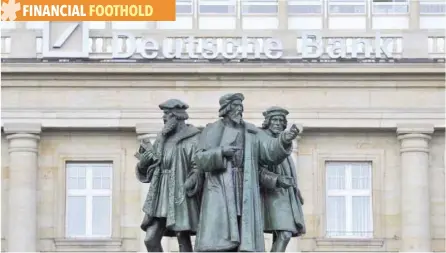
72, 40
312, 46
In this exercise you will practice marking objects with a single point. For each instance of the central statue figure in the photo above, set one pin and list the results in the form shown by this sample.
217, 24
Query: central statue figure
229, 151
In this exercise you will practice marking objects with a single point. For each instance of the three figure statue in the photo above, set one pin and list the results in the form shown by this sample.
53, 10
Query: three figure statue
227, 184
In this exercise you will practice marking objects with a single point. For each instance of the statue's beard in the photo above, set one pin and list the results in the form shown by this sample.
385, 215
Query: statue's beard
169, 126
236, 117
276, 129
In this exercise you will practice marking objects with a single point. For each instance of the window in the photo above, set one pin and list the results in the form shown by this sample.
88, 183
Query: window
184, 7
304, 7
7, 25
432, 7
35, 25
97, 25
88, 200
346, 6
217, 6
259, 6
390, 6
129, 25
348, 200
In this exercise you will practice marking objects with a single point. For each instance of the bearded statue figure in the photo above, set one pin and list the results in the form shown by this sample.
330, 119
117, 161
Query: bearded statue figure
282, 207
230, 152
172, 203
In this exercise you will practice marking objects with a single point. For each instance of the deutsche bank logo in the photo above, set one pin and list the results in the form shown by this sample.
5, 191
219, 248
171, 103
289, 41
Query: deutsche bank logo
65, 40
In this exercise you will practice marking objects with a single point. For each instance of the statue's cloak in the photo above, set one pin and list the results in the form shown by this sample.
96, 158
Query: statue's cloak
282, 207
218, 229
183, 211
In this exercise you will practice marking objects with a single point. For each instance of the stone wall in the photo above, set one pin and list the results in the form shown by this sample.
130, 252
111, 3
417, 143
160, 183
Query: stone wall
92, 112
381, 147
339, 96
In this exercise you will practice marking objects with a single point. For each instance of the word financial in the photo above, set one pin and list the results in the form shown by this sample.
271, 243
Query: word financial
312, 46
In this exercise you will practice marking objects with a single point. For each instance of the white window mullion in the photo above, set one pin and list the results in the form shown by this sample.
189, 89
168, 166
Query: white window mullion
89, 204
348, 200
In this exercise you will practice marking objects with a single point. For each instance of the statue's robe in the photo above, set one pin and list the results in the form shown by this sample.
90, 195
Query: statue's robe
218, 228
282, 207
167, 197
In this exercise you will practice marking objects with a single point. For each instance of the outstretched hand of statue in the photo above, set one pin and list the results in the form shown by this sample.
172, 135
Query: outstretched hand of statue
291, 134
229, 151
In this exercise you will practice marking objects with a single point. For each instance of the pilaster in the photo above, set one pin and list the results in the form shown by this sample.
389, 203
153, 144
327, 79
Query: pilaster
415, 211
23, 148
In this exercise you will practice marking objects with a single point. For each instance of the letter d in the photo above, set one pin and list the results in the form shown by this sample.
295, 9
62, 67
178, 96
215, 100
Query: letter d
116, 50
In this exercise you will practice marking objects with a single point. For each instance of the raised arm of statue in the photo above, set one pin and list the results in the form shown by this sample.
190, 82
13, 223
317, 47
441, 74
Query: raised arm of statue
273, 151
147, 162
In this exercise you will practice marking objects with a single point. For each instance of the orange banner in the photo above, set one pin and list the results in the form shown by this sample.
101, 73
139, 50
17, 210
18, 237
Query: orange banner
88, 10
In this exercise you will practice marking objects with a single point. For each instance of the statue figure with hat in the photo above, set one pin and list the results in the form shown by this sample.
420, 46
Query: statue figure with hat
282, 207
172, 204
229, 152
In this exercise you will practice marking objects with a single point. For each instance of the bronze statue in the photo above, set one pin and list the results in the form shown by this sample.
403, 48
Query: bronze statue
282, 207
230, 151
172, 206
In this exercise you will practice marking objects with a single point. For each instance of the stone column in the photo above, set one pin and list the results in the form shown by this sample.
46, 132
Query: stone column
414, 15
23, 165
283, 15
415, 211
149, 131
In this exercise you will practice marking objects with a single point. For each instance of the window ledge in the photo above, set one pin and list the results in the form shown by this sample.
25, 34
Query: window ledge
350, 242
87, 244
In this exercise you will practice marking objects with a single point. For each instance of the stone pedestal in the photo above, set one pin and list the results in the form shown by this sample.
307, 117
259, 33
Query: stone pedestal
22, 221
415, 211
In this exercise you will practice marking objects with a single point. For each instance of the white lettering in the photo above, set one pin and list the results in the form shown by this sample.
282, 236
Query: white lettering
125, 45
316, 44
117, 46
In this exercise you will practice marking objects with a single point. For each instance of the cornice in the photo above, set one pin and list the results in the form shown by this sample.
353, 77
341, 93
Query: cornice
310, 118
223, 68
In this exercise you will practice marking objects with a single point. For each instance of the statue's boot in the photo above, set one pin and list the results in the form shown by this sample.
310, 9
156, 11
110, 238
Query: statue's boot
281, 241
154, 234
184, 242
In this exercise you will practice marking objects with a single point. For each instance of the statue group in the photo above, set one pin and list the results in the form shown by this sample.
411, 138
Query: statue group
227, 184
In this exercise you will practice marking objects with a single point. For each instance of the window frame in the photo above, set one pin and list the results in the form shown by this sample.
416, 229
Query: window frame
346, 3
185, 3
306, 3
228, 3
89, 193
244, 3
376, 157
393, 3
116, 157
348, 193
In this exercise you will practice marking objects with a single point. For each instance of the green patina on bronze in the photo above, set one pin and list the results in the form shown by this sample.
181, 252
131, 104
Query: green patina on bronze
282, 207
172, 205
219, 169
230, 152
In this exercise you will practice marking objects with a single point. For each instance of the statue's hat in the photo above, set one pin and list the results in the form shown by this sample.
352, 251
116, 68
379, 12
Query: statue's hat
225, 100
173, 104
275, 111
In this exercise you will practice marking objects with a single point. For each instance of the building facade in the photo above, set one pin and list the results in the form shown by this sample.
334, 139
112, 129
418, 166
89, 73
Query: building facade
370, 160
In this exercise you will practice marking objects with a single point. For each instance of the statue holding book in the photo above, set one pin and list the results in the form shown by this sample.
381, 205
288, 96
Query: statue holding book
172, 204
206, 182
